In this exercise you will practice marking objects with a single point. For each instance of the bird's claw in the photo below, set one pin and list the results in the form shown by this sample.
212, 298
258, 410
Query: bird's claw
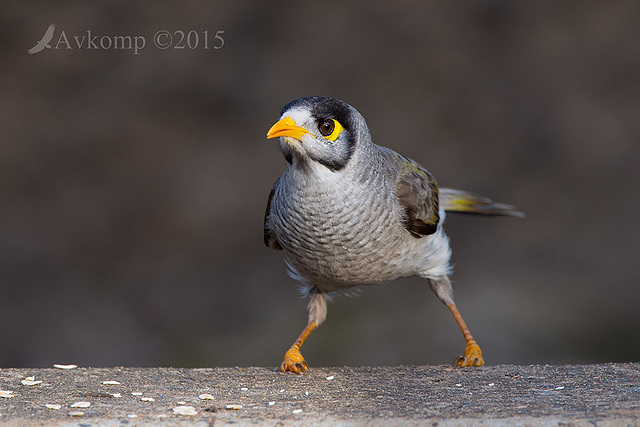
472, 356
293, 362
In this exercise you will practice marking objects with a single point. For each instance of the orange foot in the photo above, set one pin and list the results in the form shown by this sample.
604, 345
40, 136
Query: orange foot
293, 362
472, 356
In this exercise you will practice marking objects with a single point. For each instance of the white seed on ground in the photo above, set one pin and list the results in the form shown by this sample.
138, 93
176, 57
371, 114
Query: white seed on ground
76, 414
297, 411
244, 389
111, 382
136, 393
132, 416
185, 410
58, 366
147, 399
30, 381
54, 407
116, 394
81, 405
206, 396
272, 403
234, 407
6, 393
330, 377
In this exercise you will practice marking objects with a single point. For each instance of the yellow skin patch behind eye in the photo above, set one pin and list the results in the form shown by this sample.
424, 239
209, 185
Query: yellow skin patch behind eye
337, 130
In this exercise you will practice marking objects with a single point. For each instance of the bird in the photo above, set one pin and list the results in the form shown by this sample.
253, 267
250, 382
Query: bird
347, 212
44, 41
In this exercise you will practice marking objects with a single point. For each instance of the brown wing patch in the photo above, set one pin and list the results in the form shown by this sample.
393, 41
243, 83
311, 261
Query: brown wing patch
417, 192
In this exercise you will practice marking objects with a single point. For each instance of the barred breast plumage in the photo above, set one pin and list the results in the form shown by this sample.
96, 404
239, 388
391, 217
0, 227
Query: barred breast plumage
339, 233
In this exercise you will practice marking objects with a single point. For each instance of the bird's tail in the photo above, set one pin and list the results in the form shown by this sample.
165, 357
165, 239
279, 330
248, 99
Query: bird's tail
461, 201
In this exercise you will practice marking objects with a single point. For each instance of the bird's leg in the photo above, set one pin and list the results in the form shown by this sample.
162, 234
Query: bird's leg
472, 353
293, 360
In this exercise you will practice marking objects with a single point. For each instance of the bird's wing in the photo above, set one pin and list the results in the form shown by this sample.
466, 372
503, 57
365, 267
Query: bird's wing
48, 35
269, 236
417, 192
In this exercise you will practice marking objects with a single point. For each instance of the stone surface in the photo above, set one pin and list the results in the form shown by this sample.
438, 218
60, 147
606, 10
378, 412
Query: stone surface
606, 394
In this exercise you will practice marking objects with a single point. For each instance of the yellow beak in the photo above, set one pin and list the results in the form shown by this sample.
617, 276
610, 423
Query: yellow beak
286, 127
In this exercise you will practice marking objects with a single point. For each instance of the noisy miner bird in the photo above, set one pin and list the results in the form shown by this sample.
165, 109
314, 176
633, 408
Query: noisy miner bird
347, 212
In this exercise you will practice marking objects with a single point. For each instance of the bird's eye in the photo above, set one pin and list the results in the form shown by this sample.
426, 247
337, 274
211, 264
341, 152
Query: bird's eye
327, 127
330, 129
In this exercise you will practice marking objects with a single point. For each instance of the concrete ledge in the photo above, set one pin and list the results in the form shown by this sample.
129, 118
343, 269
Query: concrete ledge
406, 395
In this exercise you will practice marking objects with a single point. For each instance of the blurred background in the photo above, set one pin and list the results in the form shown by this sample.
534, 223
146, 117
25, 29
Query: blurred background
133, 185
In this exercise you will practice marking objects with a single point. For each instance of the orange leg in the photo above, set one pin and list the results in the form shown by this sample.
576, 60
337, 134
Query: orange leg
293, 360
472, 353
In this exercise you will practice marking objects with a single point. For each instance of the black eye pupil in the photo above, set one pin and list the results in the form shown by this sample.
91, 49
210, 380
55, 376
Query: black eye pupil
327, 127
